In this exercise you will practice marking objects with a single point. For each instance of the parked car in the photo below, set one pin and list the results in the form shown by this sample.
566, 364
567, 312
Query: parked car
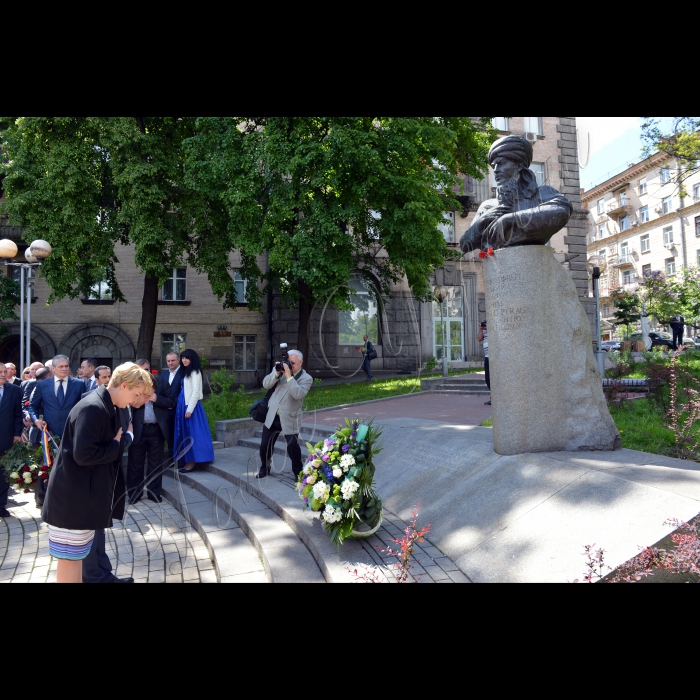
610, 346
639, 337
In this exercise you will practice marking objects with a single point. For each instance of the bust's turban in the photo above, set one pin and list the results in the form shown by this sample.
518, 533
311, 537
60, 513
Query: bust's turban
514, 148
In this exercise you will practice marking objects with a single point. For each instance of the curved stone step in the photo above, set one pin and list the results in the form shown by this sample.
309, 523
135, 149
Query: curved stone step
224, 515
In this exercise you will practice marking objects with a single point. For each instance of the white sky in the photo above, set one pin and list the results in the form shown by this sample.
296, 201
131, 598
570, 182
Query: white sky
603, 131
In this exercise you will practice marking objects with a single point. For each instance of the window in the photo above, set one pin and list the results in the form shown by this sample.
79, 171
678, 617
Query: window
622, 198
16, 274
625, 249
627, 277
646, 243
601, 207
534, 125
100, 291
175, 289
665, 176
500, 123
448, 227
241, 288
668, 235
624, 223
171, 342
538, 169
671, 267
696, 193
452, 323
667, 205
697, 226
646, 271
644, 215
245, 354
601, 231
603, 253
364, 319
642, 186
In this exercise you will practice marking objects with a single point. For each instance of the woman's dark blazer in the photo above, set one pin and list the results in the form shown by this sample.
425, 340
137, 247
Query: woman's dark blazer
84, 490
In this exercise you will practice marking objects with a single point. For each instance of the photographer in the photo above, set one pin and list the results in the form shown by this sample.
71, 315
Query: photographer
484, 338
285, 413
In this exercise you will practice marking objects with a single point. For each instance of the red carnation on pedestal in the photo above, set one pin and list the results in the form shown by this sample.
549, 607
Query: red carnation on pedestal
25, 470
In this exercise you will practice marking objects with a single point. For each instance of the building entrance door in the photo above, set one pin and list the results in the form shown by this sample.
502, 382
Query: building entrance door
449, 330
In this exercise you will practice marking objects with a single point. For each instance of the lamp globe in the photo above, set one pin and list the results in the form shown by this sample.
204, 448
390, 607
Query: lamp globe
41, 250
8, 249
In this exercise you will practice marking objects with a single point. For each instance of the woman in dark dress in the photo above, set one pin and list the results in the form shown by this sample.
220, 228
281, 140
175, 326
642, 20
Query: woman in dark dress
83, 489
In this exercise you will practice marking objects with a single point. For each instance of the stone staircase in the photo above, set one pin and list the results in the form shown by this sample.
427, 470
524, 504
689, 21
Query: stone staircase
468, 384
225, 501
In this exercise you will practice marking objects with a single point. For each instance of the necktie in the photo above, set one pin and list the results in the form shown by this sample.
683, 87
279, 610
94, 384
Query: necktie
61, 396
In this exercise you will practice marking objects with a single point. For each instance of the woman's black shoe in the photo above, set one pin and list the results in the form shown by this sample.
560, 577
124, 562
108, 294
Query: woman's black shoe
185, 471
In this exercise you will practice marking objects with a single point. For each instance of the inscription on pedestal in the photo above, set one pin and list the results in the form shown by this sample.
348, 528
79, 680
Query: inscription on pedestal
502, 314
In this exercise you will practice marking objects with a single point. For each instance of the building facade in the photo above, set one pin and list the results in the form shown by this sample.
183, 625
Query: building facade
406, 332
642, 222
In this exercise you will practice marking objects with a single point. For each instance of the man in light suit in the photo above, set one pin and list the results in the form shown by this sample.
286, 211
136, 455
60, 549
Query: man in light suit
54, 400
10, 428
286, 411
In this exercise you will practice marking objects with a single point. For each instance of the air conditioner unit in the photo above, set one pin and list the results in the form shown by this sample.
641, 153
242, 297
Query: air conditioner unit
531, 137
670, 246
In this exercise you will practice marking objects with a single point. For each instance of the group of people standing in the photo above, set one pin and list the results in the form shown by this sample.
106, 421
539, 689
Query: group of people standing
99, 416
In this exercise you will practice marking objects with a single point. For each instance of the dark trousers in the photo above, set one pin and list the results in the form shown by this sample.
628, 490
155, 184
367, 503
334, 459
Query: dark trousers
267, 446
151, 446
367, 367
487, 367
4, 490
677, 337
97, 568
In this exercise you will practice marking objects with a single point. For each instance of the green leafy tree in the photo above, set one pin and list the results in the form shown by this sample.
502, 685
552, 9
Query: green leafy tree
628, 309
9, 298
87, 184
668, 297
327, 196
677, 137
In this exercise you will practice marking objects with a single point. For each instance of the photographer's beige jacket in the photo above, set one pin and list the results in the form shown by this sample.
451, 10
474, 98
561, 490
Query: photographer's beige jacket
288, 400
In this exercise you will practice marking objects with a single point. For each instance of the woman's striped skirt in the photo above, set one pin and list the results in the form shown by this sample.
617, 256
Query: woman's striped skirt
70, 545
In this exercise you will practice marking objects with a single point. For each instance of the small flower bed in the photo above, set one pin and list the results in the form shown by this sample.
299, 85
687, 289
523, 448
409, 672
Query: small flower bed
338, 480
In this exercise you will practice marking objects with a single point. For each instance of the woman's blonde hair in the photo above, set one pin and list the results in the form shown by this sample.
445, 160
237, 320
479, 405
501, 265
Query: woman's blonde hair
131, 375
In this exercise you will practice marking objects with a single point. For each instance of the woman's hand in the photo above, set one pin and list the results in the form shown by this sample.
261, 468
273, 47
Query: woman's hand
118, 437
188, 415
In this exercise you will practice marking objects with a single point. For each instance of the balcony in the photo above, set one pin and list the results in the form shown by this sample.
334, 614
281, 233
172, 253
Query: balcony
619, 207
624, 260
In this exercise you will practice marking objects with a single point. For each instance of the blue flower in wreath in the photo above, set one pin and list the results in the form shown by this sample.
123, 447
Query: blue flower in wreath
329, 474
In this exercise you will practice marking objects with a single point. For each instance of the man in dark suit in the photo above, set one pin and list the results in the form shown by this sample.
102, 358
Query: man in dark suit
12, 377
87, 374
55, 400
28, 389
151, 430
678, 327
175, 381
10, 428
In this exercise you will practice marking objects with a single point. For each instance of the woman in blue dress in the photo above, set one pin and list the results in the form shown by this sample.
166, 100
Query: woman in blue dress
191, 427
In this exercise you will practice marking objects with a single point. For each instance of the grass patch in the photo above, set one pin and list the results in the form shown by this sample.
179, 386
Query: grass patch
642, 425
488, 423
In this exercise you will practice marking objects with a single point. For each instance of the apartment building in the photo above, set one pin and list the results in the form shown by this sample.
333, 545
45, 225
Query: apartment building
406, 331
642, 221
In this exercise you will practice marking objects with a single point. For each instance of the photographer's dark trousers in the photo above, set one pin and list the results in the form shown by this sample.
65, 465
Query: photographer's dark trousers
269, 438
487, 367
4, 489
367, 367
97, 568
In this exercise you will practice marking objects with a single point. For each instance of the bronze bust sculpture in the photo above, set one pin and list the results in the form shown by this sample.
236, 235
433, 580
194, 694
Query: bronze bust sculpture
523, 213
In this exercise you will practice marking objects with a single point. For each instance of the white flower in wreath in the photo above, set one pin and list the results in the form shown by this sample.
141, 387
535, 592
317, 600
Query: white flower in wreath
308, 471
349, 489
338, 473
14, 476
311, 480
33, 468
322, 492
332, 515
347, 462
27, 478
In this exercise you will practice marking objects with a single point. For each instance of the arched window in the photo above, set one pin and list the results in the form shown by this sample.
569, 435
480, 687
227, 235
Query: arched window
363, 320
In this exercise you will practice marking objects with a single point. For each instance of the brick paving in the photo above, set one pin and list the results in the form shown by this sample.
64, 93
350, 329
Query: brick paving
455, 409
152, 545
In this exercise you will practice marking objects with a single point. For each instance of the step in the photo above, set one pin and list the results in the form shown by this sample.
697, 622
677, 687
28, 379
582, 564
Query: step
460, 392
239, 465
226, 517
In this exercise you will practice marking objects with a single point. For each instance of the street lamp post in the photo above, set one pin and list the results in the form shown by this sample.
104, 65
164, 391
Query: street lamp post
597, 265
35, 254
441, 294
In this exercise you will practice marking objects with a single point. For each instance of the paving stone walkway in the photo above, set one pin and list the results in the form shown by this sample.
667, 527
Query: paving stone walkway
152, 545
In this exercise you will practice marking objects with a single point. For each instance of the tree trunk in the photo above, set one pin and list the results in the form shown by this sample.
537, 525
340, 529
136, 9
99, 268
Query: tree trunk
149, 316
305, 307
